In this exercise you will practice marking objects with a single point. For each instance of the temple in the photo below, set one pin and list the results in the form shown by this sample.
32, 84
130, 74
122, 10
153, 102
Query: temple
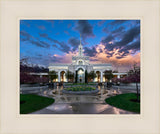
80, 64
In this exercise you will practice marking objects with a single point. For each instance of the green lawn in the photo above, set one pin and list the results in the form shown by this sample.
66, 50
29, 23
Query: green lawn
124, 101
30, 103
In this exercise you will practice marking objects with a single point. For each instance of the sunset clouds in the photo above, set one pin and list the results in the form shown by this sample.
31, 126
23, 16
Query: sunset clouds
105, 41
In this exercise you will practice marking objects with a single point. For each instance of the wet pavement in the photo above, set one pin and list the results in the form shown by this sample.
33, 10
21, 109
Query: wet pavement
79, 104
83, 108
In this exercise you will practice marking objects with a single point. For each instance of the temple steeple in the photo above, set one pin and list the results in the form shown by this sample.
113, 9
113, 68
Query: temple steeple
80, 48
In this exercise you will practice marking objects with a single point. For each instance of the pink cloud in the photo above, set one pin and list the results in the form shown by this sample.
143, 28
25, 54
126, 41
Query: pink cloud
122, 65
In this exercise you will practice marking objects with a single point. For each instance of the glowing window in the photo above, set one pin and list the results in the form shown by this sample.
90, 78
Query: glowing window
80, 63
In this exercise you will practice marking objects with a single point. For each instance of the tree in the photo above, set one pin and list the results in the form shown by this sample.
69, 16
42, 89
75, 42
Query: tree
133, 76
125, 80
108, 74
86, 76
136, 78
53, 75
26, 78
92, 75
76, 76
69, 75
30, 79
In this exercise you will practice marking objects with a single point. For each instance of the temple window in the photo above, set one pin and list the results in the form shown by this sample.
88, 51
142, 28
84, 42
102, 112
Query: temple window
80, 63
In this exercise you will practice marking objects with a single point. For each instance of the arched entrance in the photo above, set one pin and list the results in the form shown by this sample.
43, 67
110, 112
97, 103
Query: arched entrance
81, 75
62, 76
98, 73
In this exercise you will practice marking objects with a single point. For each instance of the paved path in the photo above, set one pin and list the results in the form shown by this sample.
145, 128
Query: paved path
64, 103
81, 109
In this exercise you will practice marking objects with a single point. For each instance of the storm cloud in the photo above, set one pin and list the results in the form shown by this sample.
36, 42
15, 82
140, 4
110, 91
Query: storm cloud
90, 51
74, 42
27, 37
107, 39
134, 46
127, 38
62, 46
84, 28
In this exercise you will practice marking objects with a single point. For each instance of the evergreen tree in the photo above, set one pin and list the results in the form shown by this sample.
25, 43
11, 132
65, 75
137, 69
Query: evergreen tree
86, 76
76, 77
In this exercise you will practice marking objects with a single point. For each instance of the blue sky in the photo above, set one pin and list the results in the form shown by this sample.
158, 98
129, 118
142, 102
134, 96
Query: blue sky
106, 41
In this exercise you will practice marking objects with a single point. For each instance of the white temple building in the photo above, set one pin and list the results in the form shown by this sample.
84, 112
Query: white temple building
80, 63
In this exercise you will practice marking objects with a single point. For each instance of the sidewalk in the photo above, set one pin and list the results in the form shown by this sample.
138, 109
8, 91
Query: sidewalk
82, 108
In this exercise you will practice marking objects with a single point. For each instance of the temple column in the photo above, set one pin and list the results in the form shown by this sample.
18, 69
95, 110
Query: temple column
101, 76
65, 77
59, 77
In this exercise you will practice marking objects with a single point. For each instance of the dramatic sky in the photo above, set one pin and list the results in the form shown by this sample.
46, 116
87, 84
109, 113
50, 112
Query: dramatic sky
106, 41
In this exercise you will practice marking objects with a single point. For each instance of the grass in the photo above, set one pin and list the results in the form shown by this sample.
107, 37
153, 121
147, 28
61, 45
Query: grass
125, 102
30, 103
79, 88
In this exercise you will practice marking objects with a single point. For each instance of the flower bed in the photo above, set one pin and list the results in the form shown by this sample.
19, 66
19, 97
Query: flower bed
80, 90
79, 84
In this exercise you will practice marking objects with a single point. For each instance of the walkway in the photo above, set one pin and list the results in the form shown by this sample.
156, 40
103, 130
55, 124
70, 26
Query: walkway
82, 108
79, 104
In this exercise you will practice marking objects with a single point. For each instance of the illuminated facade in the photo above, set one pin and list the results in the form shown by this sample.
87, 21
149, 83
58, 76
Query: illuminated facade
80, 64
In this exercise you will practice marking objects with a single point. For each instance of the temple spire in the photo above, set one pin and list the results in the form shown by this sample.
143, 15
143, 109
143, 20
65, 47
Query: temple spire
80, 48
80, 39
